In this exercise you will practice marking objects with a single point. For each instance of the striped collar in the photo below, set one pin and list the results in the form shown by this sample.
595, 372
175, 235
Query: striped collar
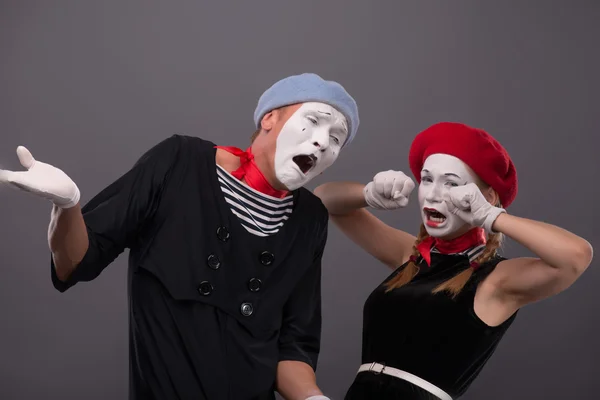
471, 253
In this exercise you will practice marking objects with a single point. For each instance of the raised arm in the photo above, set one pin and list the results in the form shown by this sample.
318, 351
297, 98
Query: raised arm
347, 202
562, 257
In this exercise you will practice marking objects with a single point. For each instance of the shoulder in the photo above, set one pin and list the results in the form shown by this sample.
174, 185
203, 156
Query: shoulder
189, 143
315, 215
484, 270
491, 264
171, 155
489, 305
314, 204
177, 147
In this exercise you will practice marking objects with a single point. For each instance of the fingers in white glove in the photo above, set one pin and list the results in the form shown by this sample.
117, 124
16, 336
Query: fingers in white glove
388, 186
378, 201
401, 192
5, 176
319, 397
468, 203
372, 198
43, 180
25, 157
388, 190
458, 209
18, 178
379, 185
460, 197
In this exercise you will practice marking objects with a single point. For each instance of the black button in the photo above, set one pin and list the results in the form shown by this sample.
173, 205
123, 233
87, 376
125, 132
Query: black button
213, 261
223, 234
246, 309
254, 284
266, 258
205, 288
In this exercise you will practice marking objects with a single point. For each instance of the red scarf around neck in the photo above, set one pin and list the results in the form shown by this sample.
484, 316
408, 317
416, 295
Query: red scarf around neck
472, 238
248, 171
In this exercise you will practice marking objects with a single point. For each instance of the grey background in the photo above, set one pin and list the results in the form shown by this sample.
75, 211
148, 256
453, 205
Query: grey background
88, 86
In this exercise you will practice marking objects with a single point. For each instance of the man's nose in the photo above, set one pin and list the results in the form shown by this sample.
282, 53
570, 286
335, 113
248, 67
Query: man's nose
321, 139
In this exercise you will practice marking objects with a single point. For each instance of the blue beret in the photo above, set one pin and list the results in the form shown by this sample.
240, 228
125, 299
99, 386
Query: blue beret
305, 88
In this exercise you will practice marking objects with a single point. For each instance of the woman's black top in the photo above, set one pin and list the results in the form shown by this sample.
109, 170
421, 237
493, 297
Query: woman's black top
432, 336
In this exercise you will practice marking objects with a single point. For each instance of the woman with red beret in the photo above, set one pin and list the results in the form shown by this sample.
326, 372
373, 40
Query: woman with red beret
432, 325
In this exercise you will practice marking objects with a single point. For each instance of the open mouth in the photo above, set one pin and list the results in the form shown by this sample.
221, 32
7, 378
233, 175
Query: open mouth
305, 162
434, 217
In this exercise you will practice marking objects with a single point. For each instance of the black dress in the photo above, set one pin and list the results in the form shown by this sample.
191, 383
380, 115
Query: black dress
212, 307
432, 336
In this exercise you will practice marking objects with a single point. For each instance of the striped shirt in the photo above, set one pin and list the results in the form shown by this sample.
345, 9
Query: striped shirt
260, 214
471, 253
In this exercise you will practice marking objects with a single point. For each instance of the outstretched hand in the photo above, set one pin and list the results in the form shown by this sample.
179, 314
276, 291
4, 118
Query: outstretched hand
43, 180
469, 204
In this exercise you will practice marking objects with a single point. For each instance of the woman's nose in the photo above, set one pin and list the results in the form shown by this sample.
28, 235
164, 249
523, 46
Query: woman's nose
434, 195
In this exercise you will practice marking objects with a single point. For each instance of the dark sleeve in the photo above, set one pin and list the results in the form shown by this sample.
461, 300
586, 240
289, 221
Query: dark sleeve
119, 212
300, 338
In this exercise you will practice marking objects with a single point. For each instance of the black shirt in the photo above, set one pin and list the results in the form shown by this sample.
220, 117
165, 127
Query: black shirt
432, 336
212, 307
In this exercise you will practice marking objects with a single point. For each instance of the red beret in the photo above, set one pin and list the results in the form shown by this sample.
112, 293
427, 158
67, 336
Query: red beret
475, 147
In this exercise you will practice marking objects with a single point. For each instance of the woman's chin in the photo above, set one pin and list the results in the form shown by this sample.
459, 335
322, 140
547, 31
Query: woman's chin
448, 233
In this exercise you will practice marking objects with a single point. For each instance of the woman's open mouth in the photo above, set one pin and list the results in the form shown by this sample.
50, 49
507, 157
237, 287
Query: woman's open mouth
305, 162
434, 217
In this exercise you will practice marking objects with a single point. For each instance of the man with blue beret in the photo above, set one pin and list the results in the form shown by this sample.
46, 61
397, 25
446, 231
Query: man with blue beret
225, 248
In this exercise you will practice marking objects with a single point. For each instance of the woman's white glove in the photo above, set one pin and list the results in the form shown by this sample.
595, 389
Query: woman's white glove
468, 203
388, 190
43, 180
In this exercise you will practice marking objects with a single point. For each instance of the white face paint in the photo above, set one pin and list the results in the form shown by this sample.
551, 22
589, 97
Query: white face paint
309, 143
440, 172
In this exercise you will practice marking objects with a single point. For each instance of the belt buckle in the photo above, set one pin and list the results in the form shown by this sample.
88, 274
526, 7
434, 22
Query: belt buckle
373, 366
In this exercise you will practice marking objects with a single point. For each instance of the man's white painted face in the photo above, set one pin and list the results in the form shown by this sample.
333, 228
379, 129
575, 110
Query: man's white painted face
309, 143
441, 172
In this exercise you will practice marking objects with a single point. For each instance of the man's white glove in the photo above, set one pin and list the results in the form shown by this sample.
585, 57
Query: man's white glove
42, 180
319, 397
388, 190
469, 204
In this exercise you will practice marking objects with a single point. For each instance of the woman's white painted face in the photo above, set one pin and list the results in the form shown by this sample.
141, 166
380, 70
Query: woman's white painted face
441, 172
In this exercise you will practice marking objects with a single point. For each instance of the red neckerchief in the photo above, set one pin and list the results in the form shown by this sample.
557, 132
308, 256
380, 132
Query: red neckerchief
249, 171
472, 238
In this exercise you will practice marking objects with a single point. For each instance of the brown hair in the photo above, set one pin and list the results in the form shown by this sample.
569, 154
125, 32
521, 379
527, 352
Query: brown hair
453, 285
254, 135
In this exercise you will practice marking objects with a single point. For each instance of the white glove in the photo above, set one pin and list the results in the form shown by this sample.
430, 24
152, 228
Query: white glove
319, 397
388, 190
43, 180
469, 204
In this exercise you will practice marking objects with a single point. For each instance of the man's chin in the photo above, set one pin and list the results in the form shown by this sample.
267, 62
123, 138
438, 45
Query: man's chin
292, 179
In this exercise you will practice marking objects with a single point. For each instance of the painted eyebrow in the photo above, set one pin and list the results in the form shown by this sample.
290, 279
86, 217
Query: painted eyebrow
448, 174
342, 131
451, 174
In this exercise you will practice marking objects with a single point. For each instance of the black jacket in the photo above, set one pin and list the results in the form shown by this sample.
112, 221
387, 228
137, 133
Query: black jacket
213, 308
